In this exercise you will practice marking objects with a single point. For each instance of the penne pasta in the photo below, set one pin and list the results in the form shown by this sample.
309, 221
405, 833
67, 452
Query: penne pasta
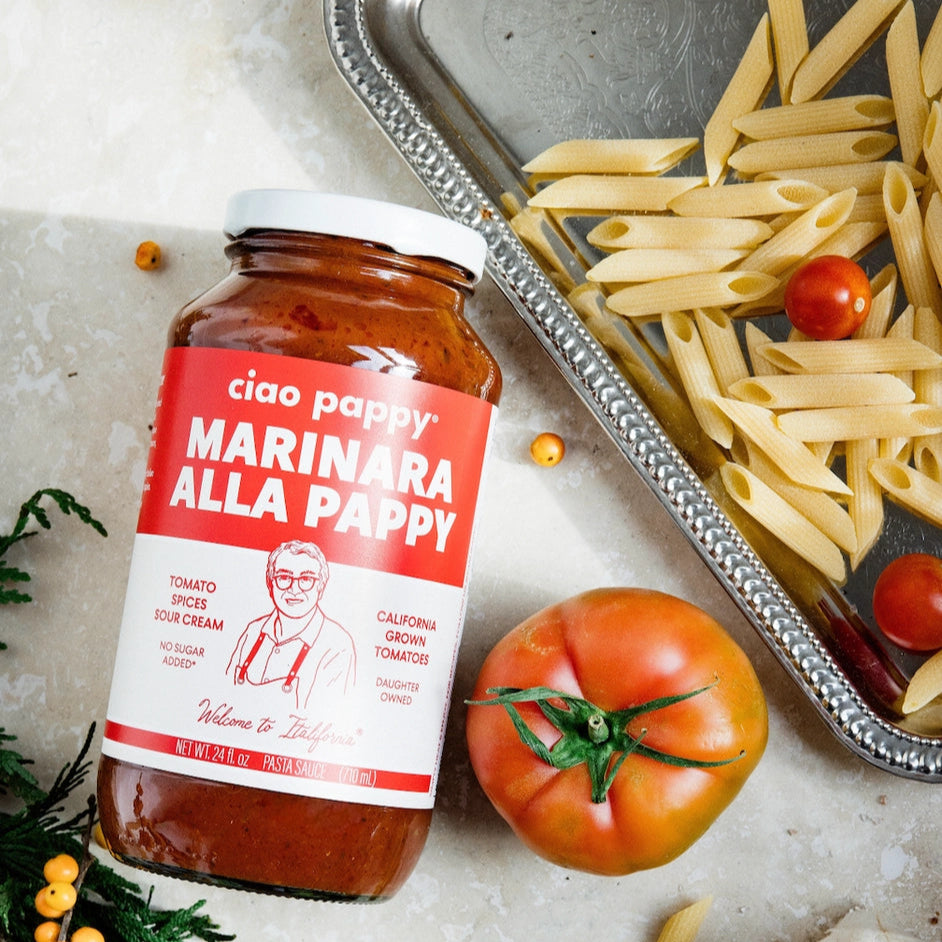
867, 355
841, 46
848, 423
783, 520
631, 265
748, 199
865, 178
744, 92
904, 220
930, 62
673, 232
812, 150
865, 503
932, 234
823, 510
684, 293
810, 391
789, 39
925, 684
850, 113
910, 488
634, 155
909, 100
539, 235
722, 346
883, 293
696, 376
684, 925
798, 239
932, 142
588, 193
793, 458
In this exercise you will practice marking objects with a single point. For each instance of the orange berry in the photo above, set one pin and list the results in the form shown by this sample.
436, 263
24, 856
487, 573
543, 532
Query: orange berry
87, 934
62, 868
44, 908
60, 896
547, 449
148, 256
46, 932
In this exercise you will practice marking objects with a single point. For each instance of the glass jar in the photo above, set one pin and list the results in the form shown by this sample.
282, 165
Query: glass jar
298, 580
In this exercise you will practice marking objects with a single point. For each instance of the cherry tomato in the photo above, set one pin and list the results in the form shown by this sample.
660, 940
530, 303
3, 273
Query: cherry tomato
828, 298
547, 449
611, 729
907, 602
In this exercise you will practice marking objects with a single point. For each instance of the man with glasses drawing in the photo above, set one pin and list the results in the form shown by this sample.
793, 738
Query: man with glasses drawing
295, 649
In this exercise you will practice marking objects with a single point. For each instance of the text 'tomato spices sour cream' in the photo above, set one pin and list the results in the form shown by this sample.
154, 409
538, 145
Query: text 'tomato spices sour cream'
297, 586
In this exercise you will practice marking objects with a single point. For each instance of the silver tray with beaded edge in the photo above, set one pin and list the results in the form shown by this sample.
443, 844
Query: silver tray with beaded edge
468, 92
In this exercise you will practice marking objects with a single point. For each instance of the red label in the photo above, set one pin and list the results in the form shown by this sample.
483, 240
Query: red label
251, 449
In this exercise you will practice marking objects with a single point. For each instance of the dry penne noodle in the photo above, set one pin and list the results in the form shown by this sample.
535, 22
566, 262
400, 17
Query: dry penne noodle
866, 355
868, 208
792, 457
588, 193
745, 91
930, 62
781, 519
684, 925
651, 264
823, 510
850, 113
535, 231
722, 346
809, 391
752, 199
812, 150
754, 339
925, 684
904, 220
841, 47
674, 232
883, 292
932, 141
865, 178
798, 239
932, 233
909, 100
909, 487
927, 329
696, 374
865, 503
627, 155
848, 423
715, 289
789, 40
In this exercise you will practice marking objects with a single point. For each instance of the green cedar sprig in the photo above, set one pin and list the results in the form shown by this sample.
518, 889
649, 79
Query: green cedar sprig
42, 828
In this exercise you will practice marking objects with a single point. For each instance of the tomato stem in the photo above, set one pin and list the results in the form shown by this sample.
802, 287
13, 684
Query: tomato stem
590, 735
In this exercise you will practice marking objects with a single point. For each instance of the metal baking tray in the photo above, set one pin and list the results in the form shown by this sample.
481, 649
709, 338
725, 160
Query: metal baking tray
468, 91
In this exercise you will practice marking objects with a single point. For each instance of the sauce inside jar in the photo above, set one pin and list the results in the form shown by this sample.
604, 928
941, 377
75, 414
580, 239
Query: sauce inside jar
342, 297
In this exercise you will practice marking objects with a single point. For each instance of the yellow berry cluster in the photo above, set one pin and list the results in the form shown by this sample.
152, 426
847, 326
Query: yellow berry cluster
57, 898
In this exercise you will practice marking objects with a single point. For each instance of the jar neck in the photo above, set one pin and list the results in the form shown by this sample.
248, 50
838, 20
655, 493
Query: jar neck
300, 253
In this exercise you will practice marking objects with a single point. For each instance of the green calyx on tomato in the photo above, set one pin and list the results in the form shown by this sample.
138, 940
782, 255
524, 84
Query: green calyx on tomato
591, 735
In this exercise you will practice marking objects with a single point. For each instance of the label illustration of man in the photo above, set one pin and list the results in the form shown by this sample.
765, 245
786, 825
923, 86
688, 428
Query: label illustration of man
295, 649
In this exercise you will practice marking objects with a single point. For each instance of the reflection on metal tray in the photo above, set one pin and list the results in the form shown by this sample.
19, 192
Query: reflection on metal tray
468, 92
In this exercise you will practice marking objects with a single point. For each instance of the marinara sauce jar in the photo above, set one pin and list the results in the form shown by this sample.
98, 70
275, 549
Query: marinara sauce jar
298, 579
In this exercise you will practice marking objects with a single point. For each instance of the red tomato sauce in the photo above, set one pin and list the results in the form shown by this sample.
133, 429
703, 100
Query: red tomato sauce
311, 297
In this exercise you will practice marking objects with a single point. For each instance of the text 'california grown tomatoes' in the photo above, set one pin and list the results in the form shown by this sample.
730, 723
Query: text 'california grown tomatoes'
610, 730
828, 298
907, 601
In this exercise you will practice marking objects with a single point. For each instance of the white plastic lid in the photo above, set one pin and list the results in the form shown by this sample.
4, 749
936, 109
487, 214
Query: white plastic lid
403, 229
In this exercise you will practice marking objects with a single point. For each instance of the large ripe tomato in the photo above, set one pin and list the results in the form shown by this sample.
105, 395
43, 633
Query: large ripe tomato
907, 602
637, 722
828, 298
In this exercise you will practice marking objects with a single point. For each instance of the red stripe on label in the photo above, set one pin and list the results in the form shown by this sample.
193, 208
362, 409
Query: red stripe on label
196, 750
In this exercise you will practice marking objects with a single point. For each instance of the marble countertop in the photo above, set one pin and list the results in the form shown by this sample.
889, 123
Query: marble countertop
123, 121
